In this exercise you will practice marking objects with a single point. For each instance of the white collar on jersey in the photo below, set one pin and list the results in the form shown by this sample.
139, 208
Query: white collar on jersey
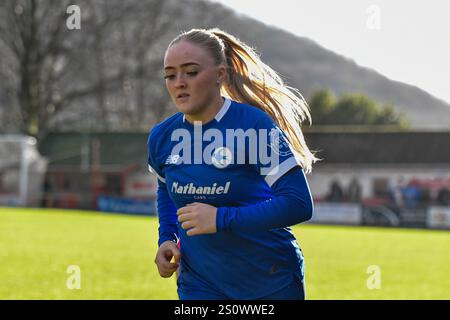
226, 105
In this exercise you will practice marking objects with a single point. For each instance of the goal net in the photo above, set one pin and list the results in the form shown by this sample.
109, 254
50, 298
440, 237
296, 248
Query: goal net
22, 171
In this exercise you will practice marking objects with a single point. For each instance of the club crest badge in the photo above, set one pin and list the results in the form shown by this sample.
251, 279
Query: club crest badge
278, 142
222, 157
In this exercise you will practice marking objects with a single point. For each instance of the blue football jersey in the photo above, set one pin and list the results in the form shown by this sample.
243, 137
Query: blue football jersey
231, 161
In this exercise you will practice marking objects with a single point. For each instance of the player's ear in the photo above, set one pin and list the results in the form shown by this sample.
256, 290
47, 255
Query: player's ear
221, 74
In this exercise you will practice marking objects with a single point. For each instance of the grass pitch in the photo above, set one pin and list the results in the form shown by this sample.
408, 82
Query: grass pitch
115, 255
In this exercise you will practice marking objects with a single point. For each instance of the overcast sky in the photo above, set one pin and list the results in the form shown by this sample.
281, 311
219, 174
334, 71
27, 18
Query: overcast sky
407, 41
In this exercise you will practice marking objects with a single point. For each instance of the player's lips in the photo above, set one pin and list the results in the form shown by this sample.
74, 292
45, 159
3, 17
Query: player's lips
183, 96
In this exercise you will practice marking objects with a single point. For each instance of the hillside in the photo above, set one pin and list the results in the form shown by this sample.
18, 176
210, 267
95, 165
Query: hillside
308, 66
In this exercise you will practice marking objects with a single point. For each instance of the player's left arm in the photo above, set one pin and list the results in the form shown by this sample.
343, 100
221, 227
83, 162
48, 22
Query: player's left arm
291, 204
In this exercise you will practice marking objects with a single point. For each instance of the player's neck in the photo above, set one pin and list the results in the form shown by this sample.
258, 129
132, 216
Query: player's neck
208, 114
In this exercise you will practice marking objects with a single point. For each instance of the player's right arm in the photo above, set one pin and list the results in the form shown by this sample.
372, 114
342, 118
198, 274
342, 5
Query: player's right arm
167, 214
166, 252
168, 234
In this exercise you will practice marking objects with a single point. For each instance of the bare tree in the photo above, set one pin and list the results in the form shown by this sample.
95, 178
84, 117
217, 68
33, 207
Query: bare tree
42, 52
147, 41
50, 69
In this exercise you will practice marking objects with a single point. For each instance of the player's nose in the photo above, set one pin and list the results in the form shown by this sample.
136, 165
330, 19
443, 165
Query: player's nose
180, 82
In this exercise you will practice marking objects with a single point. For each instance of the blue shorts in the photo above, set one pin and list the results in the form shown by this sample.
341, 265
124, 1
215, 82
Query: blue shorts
294, 291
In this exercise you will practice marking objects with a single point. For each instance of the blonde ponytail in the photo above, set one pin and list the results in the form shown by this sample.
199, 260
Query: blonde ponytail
253, 82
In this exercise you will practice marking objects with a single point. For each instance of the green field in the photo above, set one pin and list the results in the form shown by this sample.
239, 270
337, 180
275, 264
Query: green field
115, 255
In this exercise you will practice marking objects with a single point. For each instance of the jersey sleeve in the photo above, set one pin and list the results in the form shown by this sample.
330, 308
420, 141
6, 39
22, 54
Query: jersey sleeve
167, 216
291, 203
275, 154
152, 150
167, 211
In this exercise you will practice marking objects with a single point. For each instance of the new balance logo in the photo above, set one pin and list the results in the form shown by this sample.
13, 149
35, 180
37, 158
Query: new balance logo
191, 189
173, 159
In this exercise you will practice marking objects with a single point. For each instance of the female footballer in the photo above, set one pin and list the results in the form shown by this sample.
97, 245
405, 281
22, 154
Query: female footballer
231, 170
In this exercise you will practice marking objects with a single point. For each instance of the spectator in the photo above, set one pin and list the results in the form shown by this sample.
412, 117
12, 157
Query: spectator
411, 194
397, 193
443, 197
354, 191
336, 193
425, 195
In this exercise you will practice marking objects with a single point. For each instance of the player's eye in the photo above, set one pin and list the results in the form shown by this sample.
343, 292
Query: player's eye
192, 73
169, 76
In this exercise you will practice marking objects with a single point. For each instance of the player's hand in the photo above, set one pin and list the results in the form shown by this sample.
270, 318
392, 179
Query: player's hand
166, 251
198, 218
